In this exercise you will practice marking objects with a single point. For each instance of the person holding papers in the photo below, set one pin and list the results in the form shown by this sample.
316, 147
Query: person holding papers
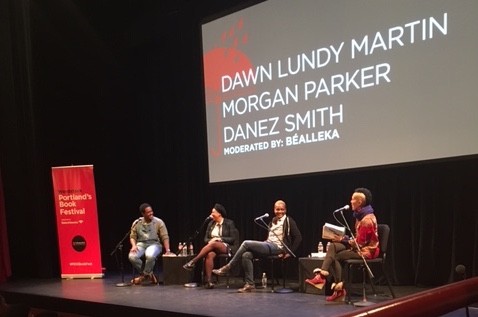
343, 247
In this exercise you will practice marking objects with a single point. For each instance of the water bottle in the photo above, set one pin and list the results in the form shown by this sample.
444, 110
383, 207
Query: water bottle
180, 245
185, 249
320, 247
191, 249
327, 247
264, 280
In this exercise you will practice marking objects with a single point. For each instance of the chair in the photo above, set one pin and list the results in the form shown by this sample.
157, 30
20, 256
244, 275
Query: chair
224, 258
383, 236
273, 259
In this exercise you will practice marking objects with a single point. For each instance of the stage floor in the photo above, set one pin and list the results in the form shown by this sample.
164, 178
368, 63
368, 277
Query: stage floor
102, 297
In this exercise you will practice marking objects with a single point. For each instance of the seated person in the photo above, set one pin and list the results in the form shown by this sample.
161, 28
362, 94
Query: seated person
283, 230
344, 248
148, 235
219, 239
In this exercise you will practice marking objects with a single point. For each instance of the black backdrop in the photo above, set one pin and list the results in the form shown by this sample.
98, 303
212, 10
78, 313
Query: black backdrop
117, 84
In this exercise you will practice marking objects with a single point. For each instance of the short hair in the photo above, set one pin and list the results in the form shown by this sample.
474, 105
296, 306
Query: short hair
281, 202
367, 193
143, 207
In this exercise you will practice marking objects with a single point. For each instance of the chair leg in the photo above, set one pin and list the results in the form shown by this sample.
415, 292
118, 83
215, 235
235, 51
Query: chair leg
272, 275
283, 290
228, 275
283, 273
388, 282
364, 302
390, 287
349, 279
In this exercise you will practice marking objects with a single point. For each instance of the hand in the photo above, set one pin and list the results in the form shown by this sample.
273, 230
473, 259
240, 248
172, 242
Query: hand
134, 249
215, 239
336, 238
169, 253
283, 255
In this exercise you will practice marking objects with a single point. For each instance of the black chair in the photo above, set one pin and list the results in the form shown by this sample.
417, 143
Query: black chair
224, 258
273, 260
383, 236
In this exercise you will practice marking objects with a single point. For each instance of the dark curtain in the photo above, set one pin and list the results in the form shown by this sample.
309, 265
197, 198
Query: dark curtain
5, 266
24, 174
121, 89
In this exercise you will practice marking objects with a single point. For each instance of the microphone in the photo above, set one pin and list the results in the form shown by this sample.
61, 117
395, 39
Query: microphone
346, 207
208, 218
263, 216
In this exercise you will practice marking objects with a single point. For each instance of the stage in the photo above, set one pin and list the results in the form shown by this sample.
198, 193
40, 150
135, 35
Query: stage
102, 297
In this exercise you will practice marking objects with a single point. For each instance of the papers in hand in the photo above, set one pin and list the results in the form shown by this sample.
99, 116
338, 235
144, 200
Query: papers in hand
330, 231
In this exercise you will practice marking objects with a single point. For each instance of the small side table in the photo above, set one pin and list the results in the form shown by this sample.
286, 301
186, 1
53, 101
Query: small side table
306, 270
173, 271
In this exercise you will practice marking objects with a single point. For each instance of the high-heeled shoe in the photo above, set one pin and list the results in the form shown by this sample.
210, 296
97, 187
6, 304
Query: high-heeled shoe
318, 281
189, 266
339, 294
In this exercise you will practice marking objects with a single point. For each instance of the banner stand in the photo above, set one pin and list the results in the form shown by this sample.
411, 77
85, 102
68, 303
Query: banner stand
77, 221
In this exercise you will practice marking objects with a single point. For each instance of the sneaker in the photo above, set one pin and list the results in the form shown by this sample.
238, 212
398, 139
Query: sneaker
189, 266
223, 270
209, 285
247, 288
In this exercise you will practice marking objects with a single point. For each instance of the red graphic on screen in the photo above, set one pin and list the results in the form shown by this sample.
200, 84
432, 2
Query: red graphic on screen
226, 59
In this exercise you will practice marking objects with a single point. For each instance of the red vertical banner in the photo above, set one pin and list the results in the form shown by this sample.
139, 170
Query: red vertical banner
77, 221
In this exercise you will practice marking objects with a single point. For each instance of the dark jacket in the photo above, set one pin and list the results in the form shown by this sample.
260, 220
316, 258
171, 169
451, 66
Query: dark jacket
292, 235
227, 233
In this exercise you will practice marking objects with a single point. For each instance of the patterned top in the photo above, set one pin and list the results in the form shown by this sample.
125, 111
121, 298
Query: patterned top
366, 235
154, 231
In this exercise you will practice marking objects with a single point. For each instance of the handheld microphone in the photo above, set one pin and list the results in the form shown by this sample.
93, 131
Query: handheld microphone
208, 218
346, 207
263, 216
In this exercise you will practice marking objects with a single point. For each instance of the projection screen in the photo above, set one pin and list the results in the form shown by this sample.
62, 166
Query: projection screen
305, 86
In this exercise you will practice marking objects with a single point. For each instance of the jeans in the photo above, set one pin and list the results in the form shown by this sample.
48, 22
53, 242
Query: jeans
249, 250
150, 252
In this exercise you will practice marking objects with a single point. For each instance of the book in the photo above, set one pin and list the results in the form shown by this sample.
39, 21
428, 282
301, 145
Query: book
330, 231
